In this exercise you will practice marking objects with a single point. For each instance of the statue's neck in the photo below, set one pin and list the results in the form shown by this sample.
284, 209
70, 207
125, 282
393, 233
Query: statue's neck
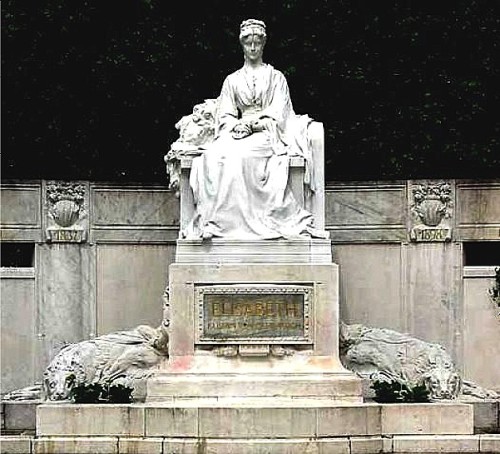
253, 65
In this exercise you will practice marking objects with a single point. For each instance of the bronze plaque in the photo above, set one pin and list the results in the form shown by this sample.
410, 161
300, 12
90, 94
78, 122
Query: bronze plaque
272, 314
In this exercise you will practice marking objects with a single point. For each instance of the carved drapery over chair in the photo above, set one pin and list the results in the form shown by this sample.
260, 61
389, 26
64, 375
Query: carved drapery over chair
197, 133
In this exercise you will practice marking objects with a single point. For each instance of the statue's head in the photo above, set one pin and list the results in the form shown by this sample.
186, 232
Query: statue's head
253, 38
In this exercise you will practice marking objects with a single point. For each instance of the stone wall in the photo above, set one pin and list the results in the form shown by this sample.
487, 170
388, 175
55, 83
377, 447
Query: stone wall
108, 269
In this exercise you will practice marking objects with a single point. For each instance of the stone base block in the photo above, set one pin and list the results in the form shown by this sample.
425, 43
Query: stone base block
486, 414
218, 349
15, 445
330, 387
256, 251
432, 418
90, 419
399, 444
140, 445
258, 446
260, 418
366, 445
489, 443
427, 444
19, 416
76, 445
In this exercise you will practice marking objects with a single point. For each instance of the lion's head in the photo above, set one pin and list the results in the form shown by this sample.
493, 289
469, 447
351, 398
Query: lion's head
442, 383
62, 375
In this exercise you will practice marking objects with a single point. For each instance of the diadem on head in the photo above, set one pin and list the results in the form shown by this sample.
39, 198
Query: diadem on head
252, 27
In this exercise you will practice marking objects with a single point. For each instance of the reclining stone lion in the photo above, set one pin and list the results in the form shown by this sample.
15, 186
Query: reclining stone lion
387, 355
123, 357
373, 353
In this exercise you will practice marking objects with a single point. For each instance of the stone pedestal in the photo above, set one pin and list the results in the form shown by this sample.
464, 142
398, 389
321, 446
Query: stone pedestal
266, 426
264, 327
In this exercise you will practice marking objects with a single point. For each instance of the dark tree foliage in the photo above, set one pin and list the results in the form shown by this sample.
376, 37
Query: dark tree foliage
406, 89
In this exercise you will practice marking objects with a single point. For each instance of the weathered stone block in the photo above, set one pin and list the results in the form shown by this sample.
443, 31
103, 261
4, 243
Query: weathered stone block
180, 446
489, 443
485, 416
171, 422
367, 445
140, 445
20, 415
349, 420
387, 444
15, 445
257, 446
257, 422
332, 446
76, 445
432, 418
90, 419
428, 444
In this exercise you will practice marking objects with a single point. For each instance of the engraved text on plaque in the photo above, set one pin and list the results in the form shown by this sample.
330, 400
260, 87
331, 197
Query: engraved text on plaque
249, 314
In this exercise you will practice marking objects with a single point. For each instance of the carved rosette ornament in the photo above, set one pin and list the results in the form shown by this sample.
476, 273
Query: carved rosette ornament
65, 208
431, 209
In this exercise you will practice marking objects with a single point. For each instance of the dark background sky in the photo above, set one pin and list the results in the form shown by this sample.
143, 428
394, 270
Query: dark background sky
405, 89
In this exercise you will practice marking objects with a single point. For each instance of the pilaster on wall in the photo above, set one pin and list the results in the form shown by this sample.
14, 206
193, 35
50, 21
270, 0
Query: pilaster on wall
66, 313
65, 270
433, 294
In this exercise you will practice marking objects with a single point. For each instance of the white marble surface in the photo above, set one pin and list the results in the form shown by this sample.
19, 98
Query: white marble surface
130, 283
194, 372
183, 278
313, 251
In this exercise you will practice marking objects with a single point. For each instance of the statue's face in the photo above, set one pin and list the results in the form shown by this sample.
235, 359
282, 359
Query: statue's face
253, 47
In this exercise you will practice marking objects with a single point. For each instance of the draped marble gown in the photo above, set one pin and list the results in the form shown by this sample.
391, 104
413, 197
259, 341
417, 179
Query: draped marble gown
240, 186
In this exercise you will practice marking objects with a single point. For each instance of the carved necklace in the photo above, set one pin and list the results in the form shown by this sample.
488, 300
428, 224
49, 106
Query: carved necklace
252, 84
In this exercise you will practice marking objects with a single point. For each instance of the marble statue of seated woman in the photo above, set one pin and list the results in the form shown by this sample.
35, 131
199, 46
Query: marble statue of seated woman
240, 183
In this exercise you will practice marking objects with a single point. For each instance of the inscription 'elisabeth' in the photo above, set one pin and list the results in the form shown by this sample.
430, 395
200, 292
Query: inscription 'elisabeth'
255, 308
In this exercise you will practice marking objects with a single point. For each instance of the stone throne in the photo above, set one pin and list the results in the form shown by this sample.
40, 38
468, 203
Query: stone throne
252, 319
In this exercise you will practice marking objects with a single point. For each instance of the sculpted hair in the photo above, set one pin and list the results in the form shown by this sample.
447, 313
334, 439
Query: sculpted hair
252, 27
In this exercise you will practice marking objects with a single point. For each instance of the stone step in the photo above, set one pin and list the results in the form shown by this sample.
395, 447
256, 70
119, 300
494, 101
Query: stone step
328, 386
230, 420
308, 251
398, 444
